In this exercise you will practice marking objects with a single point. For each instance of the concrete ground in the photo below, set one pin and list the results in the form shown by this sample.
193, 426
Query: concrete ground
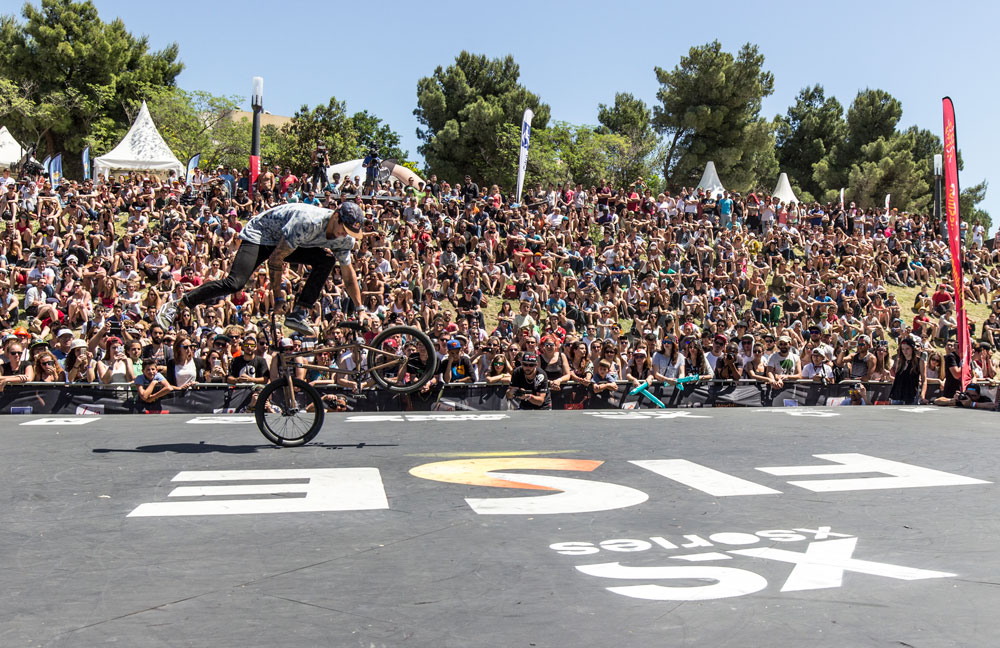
721, 527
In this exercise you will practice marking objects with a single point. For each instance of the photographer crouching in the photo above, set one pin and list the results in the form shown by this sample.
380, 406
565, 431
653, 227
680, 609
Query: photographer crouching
972, 397
529, 387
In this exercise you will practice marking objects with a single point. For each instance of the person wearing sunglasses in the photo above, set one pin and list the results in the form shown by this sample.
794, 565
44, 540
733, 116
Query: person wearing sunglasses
184, 370
554, 362
248, 367
529, 388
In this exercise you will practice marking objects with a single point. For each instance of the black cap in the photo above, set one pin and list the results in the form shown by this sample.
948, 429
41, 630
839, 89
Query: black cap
352, 218
529, 358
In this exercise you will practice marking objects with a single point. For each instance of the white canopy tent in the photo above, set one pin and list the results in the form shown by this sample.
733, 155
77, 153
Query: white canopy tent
710, 182
353, 168
783, 190
142, 149
10, 150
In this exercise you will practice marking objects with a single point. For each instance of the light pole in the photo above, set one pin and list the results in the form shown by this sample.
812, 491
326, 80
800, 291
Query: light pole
257, 103
938, 171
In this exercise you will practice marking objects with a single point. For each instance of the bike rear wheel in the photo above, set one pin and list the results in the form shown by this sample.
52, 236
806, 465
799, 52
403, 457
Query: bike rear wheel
405, 360
289, 415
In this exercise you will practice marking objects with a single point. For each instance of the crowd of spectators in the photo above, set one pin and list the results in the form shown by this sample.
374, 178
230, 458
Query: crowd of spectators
597, 285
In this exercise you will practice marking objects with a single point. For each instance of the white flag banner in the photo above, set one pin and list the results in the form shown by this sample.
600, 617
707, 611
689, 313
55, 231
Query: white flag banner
841, 197
887, 203
191, 166
522, 162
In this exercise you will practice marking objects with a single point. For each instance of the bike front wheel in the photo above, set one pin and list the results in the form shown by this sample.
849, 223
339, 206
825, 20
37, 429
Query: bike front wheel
289, 414
404, 360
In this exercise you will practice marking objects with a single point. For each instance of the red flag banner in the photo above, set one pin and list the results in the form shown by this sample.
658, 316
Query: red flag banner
954, 232
254, 173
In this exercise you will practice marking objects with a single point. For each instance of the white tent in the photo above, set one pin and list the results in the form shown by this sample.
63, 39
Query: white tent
10, 151
783, 190
710, 181
353, 168
142, 149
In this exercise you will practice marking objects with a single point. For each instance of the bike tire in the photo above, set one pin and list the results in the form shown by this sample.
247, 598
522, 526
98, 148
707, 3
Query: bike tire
277, 426
415, 337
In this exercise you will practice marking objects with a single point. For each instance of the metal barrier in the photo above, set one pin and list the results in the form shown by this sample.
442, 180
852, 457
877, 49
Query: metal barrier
206, 398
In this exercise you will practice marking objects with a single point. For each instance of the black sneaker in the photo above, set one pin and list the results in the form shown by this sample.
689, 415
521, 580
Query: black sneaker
298, 321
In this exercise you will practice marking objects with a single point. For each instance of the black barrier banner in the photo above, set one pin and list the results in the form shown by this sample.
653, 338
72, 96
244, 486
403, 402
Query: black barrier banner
209, 399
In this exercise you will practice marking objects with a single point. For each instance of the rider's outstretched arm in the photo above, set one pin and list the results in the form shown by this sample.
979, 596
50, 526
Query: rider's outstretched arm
351, 285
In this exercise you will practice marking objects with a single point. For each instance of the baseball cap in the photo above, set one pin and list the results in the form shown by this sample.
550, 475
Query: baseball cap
63, 332
20, 331
352, 218
529, 358
721, 339
454, 344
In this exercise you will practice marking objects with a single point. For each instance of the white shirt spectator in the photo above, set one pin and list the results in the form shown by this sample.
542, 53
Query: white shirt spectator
823, 370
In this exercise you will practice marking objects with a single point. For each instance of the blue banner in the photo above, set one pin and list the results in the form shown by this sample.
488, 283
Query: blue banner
191, 166
86, 163
522, 161
55, 171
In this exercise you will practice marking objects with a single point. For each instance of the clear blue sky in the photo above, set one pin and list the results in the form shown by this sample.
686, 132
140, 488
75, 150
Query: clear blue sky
577, 55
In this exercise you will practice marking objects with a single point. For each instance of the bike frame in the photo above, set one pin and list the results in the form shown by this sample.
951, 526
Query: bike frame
285, 357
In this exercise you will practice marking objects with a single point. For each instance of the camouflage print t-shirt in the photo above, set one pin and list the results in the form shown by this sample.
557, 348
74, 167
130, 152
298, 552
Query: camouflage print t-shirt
301, 225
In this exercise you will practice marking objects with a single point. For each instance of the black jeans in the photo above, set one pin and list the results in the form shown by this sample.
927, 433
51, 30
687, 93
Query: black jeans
249, 257
318, 179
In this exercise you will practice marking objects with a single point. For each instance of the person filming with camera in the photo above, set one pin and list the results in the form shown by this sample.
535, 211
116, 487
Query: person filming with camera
371, 163
320, 161
729, 366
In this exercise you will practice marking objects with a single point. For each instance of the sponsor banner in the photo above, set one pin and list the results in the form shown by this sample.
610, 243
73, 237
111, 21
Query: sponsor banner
84, 399
56, 171
522, 160
954, 219
191, 166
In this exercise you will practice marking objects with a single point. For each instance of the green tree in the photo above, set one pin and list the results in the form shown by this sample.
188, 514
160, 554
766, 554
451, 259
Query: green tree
805, 134
873, 114
968, 205
79, 73
634, 155
276, 146
463, 111
329, 124
373, 133
629, 116
231, 144
710, 110
887, 166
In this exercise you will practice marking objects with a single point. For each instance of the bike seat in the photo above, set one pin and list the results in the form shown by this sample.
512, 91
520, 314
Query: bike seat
350, 326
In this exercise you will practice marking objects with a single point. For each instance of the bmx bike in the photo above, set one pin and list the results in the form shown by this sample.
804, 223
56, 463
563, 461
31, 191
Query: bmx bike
290, 411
